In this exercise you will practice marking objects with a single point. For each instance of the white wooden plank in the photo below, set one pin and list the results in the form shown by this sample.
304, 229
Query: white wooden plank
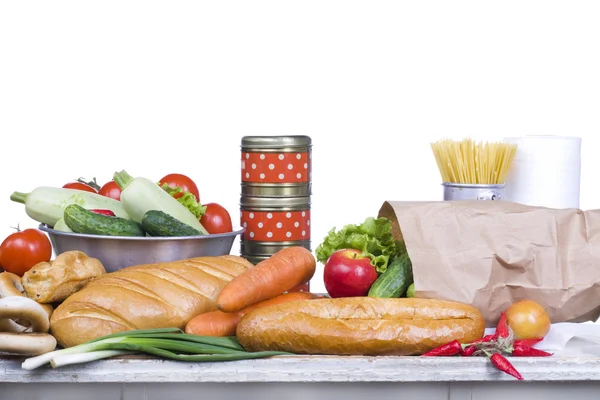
309, 369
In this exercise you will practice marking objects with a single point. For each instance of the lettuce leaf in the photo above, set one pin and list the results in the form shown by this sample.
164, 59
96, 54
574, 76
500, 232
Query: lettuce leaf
188, 200
373, 237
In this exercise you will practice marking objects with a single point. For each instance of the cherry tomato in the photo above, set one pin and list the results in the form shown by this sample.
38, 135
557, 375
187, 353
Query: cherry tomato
80, 186
528, 320
111, 189
216, 219
184, 182
20, 251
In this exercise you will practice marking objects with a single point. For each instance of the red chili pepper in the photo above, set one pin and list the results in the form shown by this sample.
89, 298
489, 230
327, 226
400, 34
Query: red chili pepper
502, 328
449, 349
104, 212
504, 365
527, 342
521, 350
468, 351
485, 339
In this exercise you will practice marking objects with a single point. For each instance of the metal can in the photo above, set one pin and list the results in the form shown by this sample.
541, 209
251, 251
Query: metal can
256, 248
276, 166
465, 191
267, 219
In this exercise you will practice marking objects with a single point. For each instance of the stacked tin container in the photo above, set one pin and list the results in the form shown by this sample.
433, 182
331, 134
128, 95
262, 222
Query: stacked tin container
276, 192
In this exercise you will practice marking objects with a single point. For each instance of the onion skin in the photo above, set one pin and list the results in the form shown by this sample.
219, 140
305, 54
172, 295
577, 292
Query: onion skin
528, 320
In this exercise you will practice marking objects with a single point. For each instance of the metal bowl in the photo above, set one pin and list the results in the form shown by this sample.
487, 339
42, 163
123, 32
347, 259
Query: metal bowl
116, 252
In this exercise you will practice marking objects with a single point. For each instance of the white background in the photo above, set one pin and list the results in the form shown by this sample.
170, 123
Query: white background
88, 88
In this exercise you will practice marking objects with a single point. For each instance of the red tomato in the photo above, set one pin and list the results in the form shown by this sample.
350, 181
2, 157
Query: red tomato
20, 251
216, 219
80, 186
184, 182
111, 189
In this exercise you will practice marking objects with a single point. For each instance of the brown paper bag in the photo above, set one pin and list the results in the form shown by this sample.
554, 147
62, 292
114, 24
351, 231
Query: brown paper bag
492, 253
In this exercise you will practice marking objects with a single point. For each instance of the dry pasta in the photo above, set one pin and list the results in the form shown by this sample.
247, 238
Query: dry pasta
473, 162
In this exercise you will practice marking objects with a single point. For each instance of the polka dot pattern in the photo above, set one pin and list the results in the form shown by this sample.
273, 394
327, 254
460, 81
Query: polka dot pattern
276, 167
276, 226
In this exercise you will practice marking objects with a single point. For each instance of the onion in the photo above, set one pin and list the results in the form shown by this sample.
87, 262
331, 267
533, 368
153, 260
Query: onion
528, 320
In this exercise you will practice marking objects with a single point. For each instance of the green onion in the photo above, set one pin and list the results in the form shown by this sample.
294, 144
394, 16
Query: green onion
167, 343
138, 332
229, 342
85, 357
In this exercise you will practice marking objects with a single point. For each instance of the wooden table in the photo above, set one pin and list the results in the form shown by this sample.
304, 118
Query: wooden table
300, 377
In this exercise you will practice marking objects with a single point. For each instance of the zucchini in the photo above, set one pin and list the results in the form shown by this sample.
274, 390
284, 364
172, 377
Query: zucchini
410, 292
140, 195
158, 223
395, 280
47, 204
61, 225
80, 220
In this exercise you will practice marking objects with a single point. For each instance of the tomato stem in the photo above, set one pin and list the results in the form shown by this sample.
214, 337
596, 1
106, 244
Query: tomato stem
93, 183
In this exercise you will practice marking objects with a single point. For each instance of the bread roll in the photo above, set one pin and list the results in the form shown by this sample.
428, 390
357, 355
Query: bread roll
359, 326
163, 295
54, 281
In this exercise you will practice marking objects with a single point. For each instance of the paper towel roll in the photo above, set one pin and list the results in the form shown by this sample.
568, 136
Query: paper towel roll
546, 171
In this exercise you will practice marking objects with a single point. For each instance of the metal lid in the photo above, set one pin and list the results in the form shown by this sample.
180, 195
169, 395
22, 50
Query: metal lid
275, 202
271, 142
276, 189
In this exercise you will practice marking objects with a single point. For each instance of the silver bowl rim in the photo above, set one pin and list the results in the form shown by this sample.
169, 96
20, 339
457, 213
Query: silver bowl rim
236, 231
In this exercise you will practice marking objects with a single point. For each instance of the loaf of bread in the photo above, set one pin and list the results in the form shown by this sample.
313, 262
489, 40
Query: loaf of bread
359, 326
54, 281
163, 295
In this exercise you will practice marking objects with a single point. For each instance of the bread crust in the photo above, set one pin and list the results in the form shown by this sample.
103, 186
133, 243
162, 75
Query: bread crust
162, 295
360, 326
54, 281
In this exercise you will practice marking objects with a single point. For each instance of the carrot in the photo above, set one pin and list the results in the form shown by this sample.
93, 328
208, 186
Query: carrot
279, 273
219, 323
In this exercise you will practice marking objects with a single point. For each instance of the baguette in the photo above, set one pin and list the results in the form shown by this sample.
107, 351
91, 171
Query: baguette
162, 295
218, 323
360, 326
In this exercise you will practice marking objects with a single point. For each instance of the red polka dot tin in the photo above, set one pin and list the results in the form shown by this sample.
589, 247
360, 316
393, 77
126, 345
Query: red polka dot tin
276, 166
276, 174
275, 219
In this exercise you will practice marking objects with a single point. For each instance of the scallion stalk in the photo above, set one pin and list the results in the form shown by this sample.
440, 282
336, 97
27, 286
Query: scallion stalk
43, 359
167, 343
69, 359
138, 332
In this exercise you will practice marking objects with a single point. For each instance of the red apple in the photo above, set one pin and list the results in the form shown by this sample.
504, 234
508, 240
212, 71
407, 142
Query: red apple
348, 274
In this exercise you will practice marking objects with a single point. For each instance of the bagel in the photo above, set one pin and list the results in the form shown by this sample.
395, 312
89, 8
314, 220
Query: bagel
27, 344
11, 285
20, 308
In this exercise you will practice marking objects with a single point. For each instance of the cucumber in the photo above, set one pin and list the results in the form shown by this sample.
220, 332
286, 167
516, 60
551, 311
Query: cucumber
47, 204
395, 280
140, 195
80, 220
158, 223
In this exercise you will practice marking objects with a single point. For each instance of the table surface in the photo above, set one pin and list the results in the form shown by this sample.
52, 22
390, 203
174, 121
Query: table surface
306, 369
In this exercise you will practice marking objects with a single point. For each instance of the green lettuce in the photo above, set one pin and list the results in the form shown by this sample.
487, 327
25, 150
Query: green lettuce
373, 237
188, 200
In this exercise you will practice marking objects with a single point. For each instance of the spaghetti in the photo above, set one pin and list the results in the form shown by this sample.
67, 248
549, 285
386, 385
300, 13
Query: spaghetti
471, 162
